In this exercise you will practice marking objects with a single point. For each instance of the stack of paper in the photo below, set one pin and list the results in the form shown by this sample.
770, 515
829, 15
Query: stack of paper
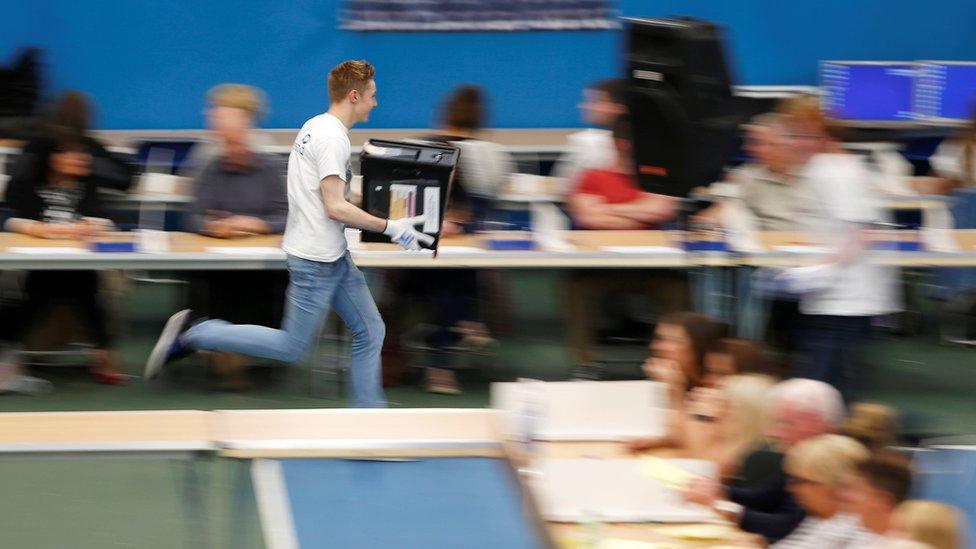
666, 472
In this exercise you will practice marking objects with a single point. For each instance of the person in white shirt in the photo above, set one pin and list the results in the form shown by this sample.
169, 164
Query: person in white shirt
593, 148
839, 296
321, 271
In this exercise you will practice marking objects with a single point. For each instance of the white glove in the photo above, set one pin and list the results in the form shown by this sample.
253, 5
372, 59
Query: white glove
402, 232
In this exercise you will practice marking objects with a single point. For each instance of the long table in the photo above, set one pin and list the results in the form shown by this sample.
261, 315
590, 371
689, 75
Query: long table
337, 472
592, 249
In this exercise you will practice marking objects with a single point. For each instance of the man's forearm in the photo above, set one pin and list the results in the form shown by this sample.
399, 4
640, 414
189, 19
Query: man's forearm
352, 216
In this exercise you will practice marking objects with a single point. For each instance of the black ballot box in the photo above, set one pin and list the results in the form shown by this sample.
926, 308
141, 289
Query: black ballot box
407, 179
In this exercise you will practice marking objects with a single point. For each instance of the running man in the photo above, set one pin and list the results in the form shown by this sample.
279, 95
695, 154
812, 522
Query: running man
321, 271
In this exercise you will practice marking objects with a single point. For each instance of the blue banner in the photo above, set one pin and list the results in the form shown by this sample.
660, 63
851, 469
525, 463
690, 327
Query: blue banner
477, 15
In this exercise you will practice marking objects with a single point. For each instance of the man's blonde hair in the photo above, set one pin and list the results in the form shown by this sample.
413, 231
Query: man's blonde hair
348, 76
239, 96
825, 459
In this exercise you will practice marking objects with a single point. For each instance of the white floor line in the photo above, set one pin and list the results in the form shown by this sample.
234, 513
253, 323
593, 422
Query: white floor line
274, 507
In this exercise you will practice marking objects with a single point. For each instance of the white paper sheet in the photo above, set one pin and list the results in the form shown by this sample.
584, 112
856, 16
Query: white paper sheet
642, 250
615, 490
53, 250
245, 250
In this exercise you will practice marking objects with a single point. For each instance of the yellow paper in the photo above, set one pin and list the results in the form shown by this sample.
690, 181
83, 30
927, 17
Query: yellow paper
666, 473
702, 532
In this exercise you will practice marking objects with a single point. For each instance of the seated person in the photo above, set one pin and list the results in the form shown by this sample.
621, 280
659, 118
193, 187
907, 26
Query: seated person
70, 115
879, 485
954, 162
609, 199
592, 148
482, 171
731, 356
817, 469
61, 201
723, 357
766, 188
873, 425
934, 524
727, 429
207, 149
677, 359
239, 193
799, 410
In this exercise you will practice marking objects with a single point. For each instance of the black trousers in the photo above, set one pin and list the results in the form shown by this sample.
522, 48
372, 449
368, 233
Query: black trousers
831, 350
45, 290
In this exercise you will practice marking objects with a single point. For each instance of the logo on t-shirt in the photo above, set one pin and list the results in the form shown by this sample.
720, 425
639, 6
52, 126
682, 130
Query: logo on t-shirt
299, 145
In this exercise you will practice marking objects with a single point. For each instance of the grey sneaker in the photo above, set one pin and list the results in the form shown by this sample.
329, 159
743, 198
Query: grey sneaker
168, 347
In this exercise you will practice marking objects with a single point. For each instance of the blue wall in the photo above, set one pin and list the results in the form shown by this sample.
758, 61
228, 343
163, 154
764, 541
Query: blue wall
149, 64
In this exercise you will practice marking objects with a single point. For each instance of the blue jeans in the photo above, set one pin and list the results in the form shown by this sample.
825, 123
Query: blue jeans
313, 287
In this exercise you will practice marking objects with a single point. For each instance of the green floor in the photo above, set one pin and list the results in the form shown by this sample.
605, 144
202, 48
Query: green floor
139, 503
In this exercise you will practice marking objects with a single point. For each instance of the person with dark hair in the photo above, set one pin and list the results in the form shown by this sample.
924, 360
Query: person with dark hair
593, 148
875, 490
730, 356
60, 201
610, 199
677, 360
483, 166
482, 170
69, 119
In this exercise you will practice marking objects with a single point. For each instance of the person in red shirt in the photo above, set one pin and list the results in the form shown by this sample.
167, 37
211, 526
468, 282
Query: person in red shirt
609, 199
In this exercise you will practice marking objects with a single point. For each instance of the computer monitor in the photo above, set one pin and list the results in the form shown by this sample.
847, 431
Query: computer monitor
869, 91
946, 90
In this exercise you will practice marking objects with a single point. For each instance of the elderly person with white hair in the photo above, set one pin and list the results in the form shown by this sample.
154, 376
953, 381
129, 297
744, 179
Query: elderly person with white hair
799, 409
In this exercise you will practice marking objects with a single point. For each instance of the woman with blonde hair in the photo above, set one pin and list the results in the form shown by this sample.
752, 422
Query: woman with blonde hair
817, 469
732, 428
935, 524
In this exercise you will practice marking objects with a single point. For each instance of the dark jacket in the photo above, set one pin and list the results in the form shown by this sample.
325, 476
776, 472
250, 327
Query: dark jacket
770, 510
30, 174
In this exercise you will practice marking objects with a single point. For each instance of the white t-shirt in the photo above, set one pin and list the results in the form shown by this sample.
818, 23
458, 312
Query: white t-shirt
590, 149
835, 198
321, 149
838, 532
